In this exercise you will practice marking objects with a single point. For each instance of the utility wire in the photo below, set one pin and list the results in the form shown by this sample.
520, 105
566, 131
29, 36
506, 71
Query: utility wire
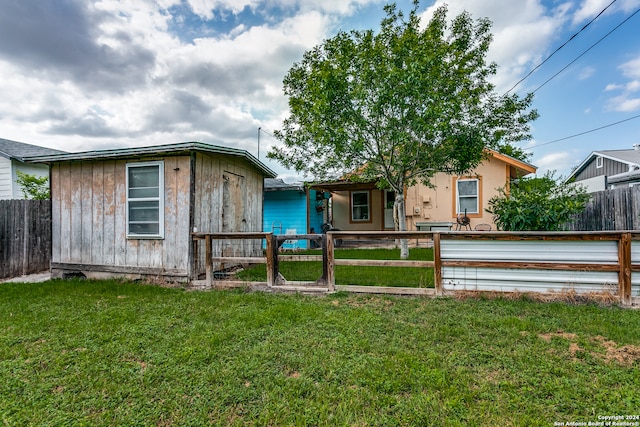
561, 46
586, 132
587, 50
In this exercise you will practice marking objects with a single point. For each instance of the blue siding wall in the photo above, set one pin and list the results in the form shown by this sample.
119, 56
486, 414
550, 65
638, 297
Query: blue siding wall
286, 210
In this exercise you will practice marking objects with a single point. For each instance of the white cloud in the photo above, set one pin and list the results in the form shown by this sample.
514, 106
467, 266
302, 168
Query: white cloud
591, 8
626, 101
631, 68
556, 161
586, 72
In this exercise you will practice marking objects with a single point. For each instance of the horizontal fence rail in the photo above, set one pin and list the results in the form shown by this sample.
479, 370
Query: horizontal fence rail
589, 263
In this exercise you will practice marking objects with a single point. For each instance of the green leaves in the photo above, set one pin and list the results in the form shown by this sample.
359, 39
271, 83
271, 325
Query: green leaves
406, 101
33, 187
537, 204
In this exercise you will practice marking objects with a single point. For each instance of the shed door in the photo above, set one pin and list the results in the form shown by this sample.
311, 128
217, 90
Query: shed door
234, 197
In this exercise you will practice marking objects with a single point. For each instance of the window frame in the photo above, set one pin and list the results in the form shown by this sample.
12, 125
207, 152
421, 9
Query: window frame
159, 199
352, 206
478, 196
599, 162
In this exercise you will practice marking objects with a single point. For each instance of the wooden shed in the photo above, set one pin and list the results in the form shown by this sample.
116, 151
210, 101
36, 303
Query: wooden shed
130, 212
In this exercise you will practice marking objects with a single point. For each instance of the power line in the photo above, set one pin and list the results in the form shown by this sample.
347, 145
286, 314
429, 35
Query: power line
587, 50
586, 132
561, 46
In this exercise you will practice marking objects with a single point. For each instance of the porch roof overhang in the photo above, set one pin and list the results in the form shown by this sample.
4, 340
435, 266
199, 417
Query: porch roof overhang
343, 186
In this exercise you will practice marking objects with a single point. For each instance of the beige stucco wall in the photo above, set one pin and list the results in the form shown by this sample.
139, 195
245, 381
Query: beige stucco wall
428, 204
439, 204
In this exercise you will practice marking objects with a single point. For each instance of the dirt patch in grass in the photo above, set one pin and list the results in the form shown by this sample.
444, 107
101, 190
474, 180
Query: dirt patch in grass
613, 353
625, 355
570, 296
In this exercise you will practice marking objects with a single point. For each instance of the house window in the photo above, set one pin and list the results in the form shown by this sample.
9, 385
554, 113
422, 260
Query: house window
360, 206
145, 201
467, 196
599, 162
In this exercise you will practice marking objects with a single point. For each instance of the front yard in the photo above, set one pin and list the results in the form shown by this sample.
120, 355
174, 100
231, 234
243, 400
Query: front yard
115, 353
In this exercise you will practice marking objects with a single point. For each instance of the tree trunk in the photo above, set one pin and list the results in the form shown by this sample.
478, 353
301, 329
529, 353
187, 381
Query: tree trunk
402, 225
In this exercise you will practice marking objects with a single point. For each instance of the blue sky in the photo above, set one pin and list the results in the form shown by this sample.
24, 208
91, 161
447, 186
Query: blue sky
81, 75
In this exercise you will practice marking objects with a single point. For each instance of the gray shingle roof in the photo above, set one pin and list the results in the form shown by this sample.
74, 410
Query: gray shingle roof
156, 150
273, 184
630, 156
19, 150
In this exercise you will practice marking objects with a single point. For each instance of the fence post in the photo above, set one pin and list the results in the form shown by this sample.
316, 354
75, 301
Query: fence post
272, 257
624, 263
325, 259
437, 265
26, 228
328, 249
208, 262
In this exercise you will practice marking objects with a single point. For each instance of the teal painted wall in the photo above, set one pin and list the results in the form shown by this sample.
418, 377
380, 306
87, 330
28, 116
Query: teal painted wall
287, 210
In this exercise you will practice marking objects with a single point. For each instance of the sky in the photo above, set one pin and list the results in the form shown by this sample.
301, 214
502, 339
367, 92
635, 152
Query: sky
86, 75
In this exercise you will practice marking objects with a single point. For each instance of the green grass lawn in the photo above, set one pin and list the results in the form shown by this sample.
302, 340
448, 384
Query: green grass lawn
113, 353
355, 275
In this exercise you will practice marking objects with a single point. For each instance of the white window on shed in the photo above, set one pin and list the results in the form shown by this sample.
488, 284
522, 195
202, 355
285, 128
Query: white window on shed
599, 162
145, 200
467, 196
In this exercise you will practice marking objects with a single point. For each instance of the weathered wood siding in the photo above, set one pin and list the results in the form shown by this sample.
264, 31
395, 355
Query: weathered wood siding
616, 209
228, 197
89, 219
25, 237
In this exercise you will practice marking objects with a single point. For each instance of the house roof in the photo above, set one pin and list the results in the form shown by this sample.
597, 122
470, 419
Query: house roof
273, 184
630, 157
624, 177
154, 150
521, 168
14, 150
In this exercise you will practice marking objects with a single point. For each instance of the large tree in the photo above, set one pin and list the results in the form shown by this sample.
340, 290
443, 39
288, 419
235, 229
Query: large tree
398, 105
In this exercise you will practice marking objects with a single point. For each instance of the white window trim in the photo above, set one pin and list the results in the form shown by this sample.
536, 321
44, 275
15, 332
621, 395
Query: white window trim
477, 196
160, 200
599, 162
352, 205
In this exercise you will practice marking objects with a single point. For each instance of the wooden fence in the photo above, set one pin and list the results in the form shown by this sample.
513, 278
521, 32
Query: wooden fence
616, 209
592, 263
25, 237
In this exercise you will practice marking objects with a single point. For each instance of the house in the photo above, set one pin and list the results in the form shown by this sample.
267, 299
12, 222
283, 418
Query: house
12, 155
293, 209
130, 212
363, 207
606, 169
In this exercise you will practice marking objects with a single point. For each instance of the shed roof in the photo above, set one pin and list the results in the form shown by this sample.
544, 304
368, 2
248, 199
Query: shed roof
154, 150
19, 150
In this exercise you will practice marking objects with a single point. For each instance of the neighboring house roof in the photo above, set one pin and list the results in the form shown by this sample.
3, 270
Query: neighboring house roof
273, 184
14, 150
155, 150
630, 157
624, 177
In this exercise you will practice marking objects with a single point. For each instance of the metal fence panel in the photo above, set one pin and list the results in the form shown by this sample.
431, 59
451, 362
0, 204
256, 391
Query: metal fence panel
592, 251
517, 280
